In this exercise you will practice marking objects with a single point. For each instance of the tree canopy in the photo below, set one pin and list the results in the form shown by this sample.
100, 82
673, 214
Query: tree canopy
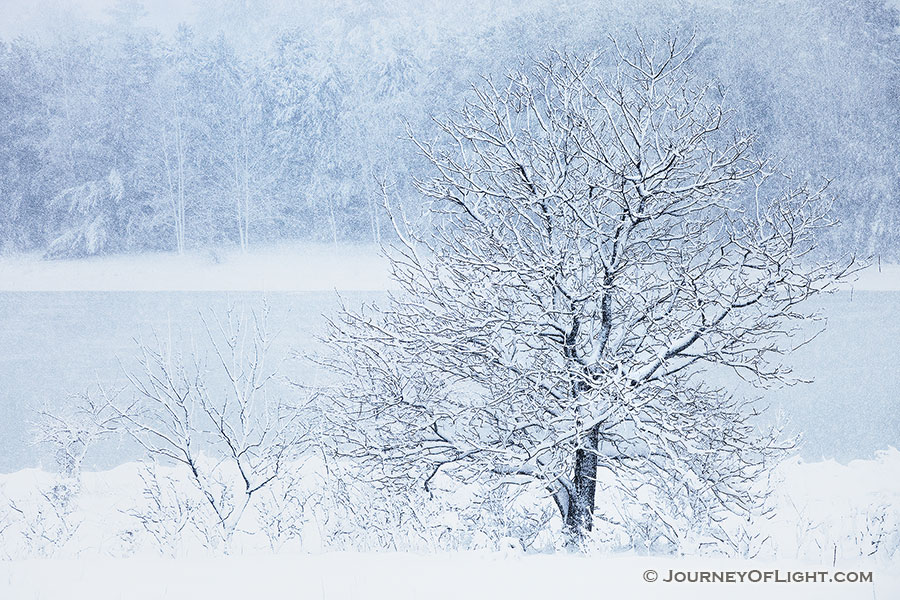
600, 236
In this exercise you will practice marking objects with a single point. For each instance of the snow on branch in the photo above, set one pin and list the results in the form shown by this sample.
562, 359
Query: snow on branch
600, 237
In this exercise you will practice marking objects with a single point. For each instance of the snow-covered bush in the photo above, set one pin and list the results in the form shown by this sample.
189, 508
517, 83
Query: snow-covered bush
48, 522
226, 423
166, 509
47, 519
352, 514
282, 511
41, 520
157, 509
221, 437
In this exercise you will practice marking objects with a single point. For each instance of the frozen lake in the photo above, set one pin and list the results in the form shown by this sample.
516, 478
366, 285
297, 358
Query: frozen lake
57, 343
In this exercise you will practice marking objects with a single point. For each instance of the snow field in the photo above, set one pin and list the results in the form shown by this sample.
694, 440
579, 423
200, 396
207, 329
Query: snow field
290, 268
285, 267
829, 517
402, 576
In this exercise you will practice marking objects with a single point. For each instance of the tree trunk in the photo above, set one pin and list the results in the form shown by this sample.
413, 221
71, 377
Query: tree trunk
580, 513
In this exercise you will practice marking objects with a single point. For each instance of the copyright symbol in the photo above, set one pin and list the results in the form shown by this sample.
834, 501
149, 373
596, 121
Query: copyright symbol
650, 575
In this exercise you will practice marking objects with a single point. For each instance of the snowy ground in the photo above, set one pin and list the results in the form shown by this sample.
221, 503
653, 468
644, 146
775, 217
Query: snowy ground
293, 268
876, 278
828, 518
287, 267
470, 576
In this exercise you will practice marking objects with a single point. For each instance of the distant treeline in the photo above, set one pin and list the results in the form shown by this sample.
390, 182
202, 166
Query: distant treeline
266, 122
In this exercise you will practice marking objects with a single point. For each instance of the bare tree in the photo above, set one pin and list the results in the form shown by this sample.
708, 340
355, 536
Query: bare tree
223, 422
597, 238
49, 522
241, 150
174, 167
71, 430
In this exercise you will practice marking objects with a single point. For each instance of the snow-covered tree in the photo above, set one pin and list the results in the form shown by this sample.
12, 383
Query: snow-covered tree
90, 217
224, 425
589, 253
